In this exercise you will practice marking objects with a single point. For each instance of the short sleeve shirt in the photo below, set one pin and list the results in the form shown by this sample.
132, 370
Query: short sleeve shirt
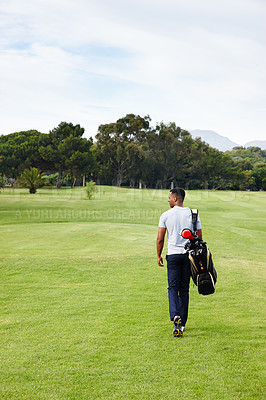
174, 220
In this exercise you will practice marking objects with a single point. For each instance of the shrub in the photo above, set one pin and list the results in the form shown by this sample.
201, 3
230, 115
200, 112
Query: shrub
90, 189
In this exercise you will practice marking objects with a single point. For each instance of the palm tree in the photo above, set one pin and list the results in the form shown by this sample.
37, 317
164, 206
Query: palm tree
32, 178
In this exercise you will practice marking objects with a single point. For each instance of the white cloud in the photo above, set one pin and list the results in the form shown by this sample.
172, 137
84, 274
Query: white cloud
200, 64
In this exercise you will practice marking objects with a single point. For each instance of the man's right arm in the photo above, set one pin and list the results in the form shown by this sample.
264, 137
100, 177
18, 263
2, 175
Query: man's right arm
159, 244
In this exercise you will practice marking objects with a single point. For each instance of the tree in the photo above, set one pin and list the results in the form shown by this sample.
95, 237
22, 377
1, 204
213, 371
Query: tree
118, 149
32, 178
253, 154
259, 172
244, 164
248, 180
162, 153
80, 159
66, 150
130, 151
251, 164
2, 181
20, 150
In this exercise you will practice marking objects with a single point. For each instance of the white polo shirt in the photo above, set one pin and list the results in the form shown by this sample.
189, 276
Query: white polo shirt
174, 220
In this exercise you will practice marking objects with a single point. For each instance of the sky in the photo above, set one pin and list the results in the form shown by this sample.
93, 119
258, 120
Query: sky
200, 64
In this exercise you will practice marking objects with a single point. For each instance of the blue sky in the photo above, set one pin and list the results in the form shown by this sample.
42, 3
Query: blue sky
200, 64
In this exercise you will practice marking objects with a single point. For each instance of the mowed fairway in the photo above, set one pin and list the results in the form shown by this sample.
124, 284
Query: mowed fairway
84, 308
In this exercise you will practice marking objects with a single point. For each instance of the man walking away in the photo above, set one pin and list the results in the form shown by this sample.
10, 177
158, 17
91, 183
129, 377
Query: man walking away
178, 268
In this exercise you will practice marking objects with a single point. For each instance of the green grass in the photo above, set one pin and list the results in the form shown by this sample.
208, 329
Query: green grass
84, 309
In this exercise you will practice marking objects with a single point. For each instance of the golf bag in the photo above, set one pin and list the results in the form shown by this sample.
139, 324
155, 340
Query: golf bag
203, 272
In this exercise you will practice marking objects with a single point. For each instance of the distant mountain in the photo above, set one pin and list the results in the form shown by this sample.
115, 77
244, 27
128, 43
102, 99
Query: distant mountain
257, 143
215, 140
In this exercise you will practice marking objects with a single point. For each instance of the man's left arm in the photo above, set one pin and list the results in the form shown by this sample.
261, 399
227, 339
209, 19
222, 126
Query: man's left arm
199, 228
159, 244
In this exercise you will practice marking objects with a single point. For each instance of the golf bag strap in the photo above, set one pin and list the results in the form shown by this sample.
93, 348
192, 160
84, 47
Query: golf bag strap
194, 213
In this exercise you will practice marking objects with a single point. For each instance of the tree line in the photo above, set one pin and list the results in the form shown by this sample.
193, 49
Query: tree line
133, 153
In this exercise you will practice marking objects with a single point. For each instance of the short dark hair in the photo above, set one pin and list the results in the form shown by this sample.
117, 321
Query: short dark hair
179, 192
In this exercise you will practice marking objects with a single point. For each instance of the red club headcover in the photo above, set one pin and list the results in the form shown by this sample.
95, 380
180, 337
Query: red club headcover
187, 234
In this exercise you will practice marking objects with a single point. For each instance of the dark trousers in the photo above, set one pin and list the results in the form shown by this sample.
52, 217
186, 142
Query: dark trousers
178, 271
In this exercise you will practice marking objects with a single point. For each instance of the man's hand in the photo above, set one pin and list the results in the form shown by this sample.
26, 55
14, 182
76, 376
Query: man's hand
160, 261
199, 233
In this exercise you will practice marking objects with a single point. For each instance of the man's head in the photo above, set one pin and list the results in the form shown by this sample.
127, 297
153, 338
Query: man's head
176, 197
